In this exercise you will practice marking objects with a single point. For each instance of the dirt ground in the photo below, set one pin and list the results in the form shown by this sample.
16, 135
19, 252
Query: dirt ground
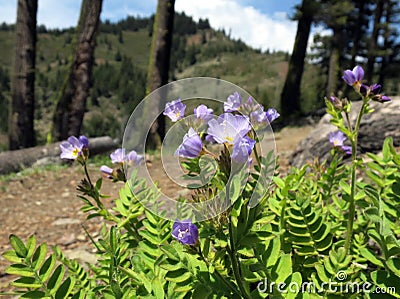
45, 204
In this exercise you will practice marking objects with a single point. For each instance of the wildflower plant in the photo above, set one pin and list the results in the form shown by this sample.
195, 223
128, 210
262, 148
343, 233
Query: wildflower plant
311, 233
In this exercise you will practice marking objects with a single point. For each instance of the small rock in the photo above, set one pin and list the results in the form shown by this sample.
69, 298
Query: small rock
66, 221
81, 238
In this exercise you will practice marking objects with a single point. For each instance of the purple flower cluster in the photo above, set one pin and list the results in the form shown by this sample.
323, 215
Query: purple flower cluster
258, 117
120, 157
231, 128
337, 140
354, 78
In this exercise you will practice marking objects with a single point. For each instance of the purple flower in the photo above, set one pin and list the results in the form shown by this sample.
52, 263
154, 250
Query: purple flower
242, 149
118, 156
346, 149
337, 139
210, 139
185, 232
84, 141
134, 158
228, 127
203, 112
191, 145
258, 115
375, 89
381, 98
272, 114
71, 149
353, 77
107, 171
175, 110
233, 102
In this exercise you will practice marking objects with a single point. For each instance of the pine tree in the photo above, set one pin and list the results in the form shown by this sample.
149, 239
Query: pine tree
21, 132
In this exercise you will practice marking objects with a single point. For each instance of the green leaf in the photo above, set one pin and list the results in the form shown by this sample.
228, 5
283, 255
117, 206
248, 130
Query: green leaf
20, 270
66, 288
201, 291
18, 246
177, 276
12, 256
279, 182
296, 280
346, 187
282, 269
45, 270
170, 251
56, 279
39, 256
372, 214
26, 282
373, 194
34, 295
158, 288
116, 289
30, 245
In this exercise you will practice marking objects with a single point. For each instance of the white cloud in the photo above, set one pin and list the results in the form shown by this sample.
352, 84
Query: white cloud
8, 12
58, 14
244, 22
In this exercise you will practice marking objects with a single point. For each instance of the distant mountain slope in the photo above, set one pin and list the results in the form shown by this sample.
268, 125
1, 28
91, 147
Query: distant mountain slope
121, 63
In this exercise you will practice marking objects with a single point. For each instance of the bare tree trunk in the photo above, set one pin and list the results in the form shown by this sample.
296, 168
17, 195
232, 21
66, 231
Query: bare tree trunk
68, 116
290, 97
357, 33
159, 62
21, 132
333, 72
372, 49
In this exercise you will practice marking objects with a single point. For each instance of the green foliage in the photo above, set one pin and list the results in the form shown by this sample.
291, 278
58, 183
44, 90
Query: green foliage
294, 235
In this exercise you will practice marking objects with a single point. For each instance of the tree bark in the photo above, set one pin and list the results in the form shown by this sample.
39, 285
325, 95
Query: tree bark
13, 161
374, 40
159, 62
71, 106
21, 132
334, 64
290, 97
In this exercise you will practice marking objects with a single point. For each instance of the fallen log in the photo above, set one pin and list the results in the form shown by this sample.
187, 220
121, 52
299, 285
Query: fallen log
13, 161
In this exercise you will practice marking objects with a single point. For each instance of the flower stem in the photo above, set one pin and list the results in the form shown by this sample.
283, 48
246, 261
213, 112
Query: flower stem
235, 264
354, 140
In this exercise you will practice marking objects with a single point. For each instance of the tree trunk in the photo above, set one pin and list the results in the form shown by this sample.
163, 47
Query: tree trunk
13, 161
71, 106
334, 66
357, 33
290, 97
372, 49
159, 62
21, 132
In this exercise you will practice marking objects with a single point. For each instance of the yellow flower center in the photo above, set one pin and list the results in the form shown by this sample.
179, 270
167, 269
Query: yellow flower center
75, 153
177, 115
229, 139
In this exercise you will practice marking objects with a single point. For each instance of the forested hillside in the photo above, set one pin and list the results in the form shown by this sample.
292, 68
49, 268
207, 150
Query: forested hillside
122, 54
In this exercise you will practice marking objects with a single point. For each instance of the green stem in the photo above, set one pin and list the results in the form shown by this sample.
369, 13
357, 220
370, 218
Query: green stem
352, 208
255, 149
235, 264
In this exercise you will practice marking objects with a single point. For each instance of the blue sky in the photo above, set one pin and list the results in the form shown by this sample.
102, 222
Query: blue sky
260, 23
